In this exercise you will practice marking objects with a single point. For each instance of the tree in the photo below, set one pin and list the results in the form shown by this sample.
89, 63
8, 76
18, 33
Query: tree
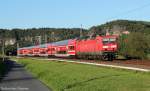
135, 45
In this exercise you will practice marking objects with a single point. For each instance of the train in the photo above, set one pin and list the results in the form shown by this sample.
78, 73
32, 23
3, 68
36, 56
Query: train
99, 47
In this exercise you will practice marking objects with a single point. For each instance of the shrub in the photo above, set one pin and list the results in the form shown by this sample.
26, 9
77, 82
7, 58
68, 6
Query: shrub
135, 45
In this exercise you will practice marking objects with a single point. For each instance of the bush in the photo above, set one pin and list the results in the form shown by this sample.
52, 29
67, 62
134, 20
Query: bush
135, 45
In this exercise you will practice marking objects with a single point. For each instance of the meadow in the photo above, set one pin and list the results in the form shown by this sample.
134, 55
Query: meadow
63, 76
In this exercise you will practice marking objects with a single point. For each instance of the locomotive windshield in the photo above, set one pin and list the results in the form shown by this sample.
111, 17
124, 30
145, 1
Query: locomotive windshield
108, 40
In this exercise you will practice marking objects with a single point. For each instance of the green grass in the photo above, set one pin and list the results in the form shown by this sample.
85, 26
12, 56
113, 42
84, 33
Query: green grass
63, 76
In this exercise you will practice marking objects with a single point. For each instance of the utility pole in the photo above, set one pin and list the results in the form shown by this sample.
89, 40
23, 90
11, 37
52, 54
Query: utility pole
46, 44
17, 49
3, 49
45, 38
81, 33
52, 36
39, 38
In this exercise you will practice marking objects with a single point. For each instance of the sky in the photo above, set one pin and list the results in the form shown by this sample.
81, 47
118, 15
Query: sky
69, 13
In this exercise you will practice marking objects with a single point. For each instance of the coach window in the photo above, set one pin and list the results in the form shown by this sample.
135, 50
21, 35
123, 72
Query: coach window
36, 50
53, 49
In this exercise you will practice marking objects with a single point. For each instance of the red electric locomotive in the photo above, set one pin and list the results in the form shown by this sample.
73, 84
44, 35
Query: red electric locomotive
101, 47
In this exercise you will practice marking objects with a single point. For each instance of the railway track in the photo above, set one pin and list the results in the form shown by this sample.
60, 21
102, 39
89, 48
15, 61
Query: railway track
136, 65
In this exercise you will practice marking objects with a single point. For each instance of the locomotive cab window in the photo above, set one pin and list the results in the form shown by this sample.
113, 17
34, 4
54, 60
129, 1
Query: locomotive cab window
108, 40
105, 40
112, 40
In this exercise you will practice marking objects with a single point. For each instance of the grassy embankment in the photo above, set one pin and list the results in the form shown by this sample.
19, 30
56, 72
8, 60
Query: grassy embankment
63, 76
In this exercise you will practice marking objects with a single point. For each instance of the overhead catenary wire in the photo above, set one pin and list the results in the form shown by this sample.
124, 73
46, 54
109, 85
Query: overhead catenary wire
128, 12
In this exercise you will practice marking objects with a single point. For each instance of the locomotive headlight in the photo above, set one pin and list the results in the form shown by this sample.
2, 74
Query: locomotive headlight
105, 46
113, 46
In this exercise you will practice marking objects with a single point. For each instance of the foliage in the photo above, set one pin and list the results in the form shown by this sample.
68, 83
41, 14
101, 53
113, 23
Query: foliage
53, 34
135, 45
63, 76
122, 44
11, 50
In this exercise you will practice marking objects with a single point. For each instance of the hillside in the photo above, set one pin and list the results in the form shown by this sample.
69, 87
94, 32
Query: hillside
121, 25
